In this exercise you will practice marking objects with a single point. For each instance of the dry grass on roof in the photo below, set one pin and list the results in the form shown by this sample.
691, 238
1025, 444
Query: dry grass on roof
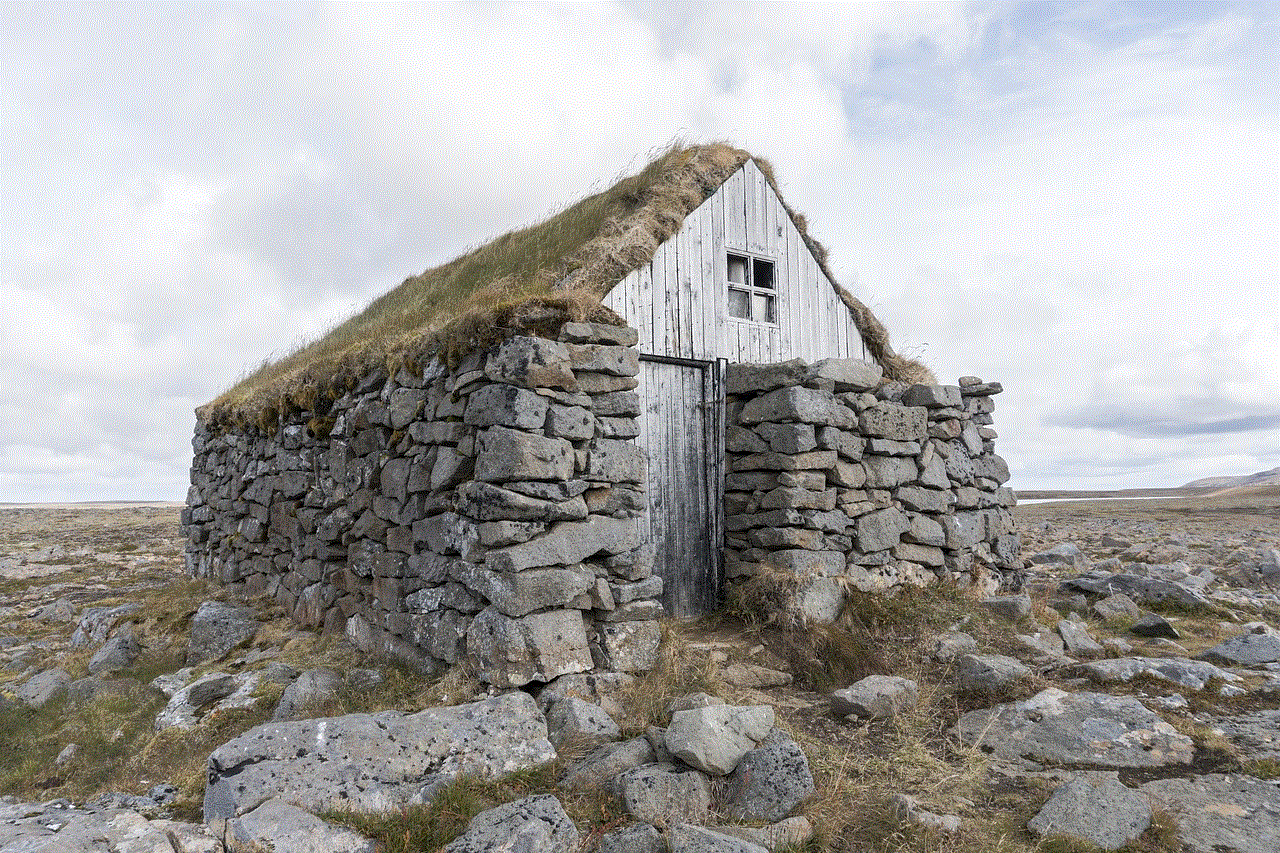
529, 280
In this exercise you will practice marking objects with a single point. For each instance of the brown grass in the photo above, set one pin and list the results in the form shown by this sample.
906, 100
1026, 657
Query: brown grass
529, 280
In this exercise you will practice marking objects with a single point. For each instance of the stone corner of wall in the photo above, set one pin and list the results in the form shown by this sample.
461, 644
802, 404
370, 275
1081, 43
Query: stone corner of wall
490, 512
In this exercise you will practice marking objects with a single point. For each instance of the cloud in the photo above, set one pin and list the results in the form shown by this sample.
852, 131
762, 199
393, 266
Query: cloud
1077, 201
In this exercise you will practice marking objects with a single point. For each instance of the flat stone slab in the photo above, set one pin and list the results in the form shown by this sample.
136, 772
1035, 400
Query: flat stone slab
1101, 811
374, 762
1188, 673
281, 828
1246, 650
1077, 728
1218, 812
1257, 735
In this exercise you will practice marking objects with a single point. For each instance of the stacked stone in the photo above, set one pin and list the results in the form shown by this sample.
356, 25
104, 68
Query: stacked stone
489, 512
836, 479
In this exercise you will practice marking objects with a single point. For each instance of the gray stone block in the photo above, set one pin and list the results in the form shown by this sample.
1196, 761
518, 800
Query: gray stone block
531, 363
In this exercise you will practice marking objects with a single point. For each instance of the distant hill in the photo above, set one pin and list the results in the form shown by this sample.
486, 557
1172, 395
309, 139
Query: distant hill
1209, 487
1262, 478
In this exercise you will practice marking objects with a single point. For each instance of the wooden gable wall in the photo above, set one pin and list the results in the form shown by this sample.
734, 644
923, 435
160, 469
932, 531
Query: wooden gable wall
678, 301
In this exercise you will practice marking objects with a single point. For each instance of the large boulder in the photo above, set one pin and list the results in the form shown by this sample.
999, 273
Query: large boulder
1218, 812
217, 628
715, 738
510, 652
374, 762
665, 795
1250, 649
116, 653
283, 828
989, 673
878, 697
1077, 728
536, 824
1100, 811
43, 687
769, 781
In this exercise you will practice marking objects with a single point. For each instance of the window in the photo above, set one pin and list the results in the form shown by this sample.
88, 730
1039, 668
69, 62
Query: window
751, 289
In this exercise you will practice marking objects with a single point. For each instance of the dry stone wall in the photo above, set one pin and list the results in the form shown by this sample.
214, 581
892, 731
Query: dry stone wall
838, 480
490, 512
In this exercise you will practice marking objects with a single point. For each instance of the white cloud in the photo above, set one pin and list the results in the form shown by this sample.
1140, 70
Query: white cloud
1078, 201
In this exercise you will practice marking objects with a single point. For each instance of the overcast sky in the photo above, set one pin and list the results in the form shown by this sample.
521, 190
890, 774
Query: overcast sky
1079, 200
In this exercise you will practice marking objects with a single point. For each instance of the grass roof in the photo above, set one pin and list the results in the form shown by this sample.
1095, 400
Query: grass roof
530, 280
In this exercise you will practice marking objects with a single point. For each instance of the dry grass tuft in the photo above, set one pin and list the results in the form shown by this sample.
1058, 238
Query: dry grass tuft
531, 280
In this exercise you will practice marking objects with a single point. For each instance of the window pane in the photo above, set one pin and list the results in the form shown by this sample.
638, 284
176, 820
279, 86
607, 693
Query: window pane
762, 273
737, 269
762, 308
739, 303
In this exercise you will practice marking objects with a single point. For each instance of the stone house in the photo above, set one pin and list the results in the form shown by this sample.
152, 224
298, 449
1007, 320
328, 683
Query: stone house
527, 456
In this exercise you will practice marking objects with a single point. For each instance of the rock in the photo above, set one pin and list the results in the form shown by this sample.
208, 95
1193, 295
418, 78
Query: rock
1188, 673
116, 653
1100, 811
951, 645
878, 697
769, 781
575, 721
1217, 812
797, 403
217, 628
1143, 590
1155, 625
1075, 637
308, 689
1014, 608
1256, 735
282, 828
510, 652
636, 838
601, 688
535, 824
789, 834
96, 623
43, 687
1077, 728
988, 673
662, 795
530, 362
506, 454
688, 838
1117, 606
1065, 555
630, 646
56, 827
1045, 647
569, 542
375, 762
714, 739
601, 767
215, 691
907, 810
753, 675
1251, 649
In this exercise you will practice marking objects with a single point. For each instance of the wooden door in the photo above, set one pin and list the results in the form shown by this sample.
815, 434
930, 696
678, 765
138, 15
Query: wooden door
682, 431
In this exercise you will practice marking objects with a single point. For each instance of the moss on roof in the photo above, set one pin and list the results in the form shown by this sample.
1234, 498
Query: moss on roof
529, 280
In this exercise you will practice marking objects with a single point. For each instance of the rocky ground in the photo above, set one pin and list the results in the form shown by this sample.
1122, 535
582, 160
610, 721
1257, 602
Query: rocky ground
1127, 698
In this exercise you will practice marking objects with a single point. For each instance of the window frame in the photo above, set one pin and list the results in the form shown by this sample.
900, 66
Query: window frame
750, 288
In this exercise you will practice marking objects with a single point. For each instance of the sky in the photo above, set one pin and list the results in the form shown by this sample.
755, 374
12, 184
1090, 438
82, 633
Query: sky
1081, 201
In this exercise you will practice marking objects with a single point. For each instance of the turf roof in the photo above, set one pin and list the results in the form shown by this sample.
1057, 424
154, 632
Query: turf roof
529, 280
